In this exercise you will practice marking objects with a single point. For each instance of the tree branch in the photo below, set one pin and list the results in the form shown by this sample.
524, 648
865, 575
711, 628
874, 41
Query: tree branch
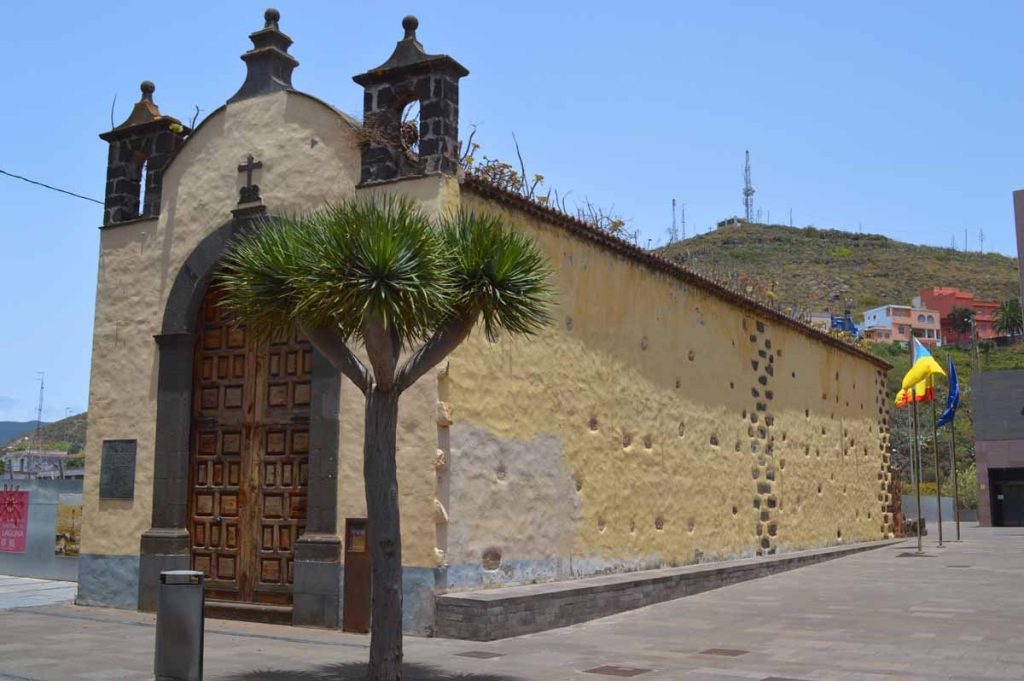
337, 353
430, 354
382, 349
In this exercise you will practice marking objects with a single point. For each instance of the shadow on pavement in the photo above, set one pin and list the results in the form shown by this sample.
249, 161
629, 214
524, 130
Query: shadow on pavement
356, 671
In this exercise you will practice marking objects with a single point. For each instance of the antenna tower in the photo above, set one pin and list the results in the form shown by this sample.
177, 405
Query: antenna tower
39, 413
981, 240
673, 234
683, 209
748, 189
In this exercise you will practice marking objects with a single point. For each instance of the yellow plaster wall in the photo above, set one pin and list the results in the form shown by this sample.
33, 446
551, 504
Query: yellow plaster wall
645, 383
310, 155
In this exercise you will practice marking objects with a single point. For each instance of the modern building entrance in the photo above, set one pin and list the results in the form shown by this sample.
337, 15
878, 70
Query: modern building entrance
1007, 489
249, 464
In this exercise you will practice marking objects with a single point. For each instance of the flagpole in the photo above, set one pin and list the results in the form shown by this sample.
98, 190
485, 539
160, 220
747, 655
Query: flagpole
938, 473
917, 474
952, 446
952, 463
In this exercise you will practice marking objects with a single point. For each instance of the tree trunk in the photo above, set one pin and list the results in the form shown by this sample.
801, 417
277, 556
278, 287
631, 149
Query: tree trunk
380, 477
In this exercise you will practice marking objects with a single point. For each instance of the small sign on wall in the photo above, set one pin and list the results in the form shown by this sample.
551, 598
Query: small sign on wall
356, 539
13, 520
117, 469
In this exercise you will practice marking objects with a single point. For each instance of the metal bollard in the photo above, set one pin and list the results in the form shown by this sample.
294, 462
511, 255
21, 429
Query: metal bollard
179, 627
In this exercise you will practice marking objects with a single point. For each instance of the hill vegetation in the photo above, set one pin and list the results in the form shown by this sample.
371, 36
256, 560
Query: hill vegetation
809, 269
66, 435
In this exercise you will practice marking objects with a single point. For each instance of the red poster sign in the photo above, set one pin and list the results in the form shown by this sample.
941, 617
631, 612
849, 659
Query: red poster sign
13, 520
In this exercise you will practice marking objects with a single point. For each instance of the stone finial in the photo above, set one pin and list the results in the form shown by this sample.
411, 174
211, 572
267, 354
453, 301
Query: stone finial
268, 65
409, 52
144, 112
410, 24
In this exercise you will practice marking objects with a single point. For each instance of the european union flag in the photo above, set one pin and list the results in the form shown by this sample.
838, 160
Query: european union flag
953, 399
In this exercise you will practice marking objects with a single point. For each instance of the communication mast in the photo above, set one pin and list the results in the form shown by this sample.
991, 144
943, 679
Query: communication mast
748, 189
39, 413
673, 232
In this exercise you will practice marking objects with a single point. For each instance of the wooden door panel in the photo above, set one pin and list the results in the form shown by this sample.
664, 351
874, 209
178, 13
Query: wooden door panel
219, 453
284, 475
250, 457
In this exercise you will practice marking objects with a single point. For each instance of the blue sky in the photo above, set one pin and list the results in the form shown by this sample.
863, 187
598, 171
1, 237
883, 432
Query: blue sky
902, 120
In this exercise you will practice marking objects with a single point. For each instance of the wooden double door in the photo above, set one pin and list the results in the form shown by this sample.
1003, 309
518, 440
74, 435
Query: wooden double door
249, 459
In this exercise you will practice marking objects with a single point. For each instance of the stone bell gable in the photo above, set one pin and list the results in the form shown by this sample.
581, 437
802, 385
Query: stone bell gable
394, 148
141, 147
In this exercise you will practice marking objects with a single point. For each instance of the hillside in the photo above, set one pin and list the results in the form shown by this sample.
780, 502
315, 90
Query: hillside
12, 429
812, 269
65, 434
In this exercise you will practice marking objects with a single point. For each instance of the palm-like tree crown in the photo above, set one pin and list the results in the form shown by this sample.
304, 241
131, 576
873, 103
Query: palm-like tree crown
1008, 318
379, 263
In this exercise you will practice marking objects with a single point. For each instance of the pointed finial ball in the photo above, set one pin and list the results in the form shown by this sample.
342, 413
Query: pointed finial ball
147, 88
410, 24
271, 16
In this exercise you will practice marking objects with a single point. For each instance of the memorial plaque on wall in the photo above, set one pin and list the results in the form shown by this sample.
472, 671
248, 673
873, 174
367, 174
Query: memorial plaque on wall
117, 469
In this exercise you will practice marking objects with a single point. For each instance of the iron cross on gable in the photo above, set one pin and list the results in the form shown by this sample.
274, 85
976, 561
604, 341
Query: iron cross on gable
250, 192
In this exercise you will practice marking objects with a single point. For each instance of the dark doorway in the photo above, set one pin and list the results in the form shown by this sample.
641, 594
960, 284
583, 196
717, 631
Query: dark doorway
1007, 489
356, 616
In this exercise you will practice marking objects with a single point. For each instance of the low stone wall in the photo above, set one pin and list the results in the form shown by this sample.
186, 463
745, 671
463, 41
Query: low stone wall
493, 614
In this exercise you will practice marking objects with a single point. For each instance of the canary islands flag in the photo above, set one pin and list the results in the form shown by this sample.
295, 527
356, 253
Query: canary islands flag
919, 381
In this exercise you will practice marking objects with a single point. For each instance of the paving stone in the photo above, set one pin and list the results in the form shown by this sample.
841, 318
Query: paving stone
872, 634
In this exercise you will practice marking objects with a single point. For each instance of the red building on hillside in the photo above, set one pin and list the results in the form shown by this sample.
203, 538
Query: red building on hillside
944, 298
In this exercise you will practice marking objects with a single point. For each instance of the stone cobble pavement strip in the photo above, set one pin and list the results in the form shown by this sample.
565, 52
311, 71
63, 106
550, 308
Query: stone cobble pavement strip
874, 616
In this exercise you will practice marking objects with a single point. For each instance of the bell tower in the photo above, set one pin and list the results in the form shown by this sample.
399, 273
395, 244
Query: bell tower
394, 148
140, 149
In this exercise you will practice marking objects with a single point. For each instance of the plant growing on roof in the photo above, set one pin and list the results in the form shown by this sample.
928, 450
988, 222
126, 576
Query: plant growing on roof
377, 274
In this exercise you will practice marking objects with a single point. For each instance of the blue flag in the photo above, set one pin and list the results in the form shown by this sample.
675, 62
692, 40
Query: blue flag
953, 399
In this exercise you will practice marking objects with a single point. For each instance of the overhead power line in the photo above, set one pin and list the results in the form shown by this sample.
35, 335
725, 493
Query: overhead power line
43, 184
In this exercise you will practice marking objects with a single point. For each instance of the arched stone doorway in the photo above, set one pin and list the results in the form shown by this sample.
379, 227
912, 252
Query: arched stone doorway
315, 567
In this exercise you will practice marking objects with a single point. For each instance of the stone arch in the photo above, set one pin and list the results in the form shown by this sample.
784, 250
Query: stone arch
166, 545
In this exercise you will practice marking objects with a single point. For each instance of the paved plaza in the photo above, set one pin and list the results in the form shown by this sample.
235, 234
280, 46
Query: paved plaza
24, 592
956, 613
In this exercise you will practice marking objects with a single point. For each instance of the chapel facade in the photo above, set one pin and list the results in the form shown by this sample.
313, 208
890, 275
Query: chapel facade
660, 419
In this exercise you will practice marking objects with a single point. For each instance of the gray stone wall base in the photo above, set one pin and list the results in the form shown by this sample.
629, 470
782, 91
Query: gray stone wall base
150, 567
419, 587
316, 594
133, 582
513, 611
110, 581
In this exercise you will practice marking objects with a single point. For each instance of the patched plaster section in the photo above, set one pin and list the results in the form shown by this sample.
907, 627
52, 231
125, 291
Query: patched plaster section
510, 500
